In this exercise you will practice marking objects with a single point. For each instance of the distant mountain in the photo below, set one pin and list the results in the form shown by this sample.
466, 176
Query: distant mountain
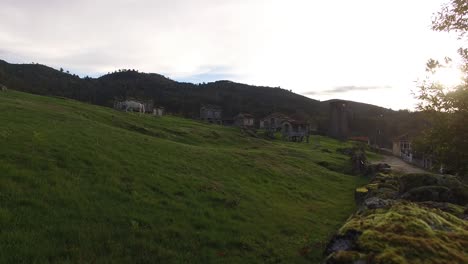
185, 98
177, 97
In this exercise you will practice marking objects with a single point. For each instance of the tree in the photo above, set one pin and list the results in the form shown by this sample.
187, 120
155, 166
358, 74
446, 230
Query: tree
447, 139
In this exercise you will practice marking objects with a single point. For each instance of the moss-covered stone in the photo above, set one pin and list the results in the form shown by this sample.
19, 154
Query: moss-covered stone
433, 187
345, 257
453, 209
410, 233
362, 190
360, 195
412, 218
415, 180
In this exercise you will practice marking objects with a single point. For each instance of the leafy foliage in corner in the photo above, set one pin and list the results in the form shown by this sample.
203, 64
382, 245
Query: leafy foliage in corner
446, 139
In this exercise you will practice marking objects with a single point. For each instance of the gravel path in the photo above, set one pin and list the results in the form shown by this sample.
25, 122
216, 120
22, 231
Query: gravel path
399, 165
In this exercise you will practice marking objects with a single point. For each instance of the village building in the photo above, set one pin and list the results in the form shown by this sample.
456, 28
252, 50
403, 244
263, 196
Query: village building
228, 122
119, 105
402, 147
158, 111
313, 127
273, 121
211, 114
244, 120
149, 106
295, 130
339, 120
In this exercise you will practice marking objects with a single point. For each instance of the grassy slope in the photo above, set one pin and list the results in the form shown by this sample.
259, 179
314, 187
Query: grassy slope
82, 183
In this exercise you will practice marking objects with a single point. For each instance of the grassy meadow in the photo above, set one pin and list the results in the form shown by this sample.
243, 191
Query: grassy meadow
86, 184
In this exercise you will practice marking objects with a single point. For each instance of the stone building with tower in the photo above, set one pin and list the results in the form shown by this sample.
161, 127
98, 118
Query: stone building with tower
339, 120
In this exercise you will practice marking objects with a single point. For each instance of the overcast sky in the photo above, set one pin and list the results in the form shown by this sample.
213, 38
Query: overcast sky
364, 50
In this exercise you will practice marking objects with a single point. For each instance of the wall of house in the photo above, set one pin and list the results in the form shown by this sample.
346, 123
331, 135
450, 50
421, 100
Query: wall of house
339, 124
158, 111
245, 122
396, 148
210, 114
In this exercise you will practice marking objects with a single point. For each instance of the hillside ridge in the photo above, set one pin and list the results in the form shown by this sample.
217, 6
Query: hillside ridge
185, 99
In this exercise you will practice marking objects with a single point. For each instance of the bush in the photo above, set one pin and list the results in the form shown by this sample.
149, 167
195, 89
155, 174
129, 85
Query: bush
429, 193
433, 187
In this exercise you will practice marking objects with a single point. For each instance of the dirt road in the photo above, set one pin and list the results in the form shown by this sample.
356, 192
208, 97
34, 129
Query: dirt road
399, 165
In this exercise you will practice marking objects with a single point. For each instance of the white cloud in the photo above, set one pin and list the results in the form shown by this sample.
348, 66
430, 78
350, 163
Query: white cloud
295, 44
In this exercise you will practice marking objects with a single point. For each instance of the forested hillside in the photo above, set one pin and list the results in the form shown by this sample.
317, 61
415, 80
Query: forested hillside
184, 99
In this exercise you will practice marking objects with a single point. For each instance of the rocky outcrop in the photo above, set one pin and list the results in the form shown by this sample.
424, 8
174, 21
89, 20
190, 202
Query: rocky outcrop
346, 242
413, 218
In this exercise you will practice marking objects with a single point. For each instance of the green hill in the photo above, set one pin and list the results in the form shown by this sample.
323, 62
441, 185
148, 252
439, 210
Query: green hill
83, 183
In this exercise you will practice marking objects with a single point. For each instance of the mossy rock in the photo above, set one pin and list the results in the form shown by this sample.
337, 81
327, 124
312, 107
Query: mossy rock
429, 193
376, 203
389, 185
345, 241
428, 230
360, 195
415, 180
384, 193
409, 233
346, 257
362, 190
453, 209
433, 187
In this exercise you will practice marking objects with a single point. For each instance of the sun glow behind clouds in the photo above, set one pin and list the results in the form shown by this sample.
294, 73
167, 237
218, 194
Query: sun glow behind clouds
314, 46
448, 77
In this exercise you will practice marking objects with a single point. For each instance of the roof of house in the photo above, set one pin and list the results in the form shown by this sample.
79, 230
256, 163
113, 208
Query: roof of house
244, 115
208, 106
275, 115
296, 121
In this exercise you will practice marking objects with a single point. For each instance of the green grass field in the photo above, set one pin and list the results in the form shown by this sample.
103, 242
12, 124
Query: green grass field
86, 184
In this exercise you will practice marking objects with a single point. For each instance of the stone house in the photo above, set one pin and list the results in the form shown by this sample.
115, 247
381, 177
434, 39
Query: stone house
211, 114
158, 111
244, 120
273, 121
149, 106
295, 130
402, 147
